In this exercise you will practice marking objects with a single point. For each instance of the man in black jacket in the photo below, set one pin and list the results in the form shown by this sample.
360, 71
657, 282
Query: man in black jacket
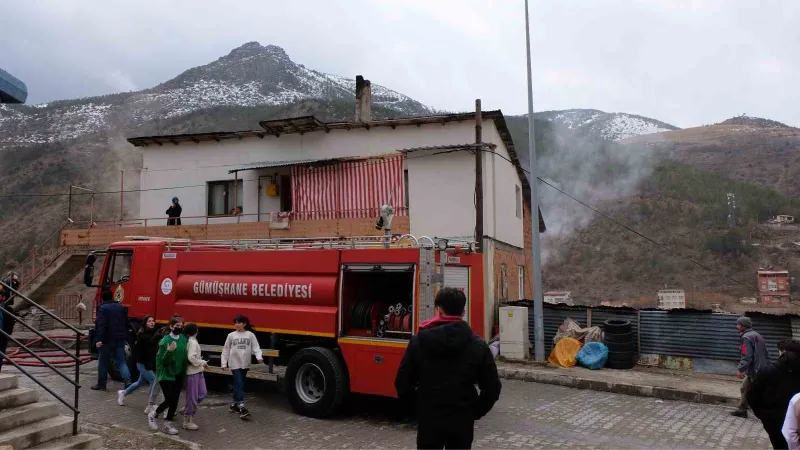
773, 388
112, 335
441, 367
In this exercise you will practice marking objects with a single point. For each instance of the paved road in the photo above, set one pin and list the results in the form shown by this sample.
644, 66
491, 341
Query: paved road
528, 415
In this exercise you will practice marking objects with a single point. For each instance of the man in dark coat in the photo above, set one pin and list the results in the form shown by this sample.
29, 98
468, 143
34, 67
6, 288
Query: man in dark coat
754, 358
440, 369
112, 335
773, 388
174, 212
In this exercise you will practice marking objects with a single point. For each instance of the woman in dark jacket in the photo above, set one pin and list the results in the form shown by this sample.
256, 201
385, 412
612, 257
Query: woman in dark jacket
144, 360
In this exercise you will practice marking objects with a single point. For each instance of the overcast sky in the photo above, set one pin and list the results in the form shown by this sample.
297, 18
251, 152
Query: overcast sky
684, 62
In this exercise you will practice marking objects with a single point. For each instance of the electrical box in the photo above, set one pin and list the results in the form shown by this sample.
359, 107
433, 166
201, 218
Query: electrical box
514, 340
272, 190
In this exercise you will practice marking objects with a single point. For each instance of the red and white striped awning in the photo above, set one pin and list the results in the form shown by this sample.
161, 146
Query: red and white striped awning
349, 189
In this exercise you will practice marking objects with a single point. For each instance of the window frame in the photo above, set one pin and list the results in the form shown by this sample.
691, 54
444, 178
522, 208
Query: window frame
518, 192
520, 282
230, 186
111, 266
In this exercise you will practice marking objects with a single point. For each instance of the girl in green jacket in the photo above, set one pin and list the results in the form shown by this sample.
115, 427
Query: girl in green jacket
171, 362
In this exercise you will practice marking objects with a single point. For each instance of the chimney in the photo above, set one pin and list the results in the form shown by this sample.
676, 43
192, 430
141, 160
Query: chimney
363, 100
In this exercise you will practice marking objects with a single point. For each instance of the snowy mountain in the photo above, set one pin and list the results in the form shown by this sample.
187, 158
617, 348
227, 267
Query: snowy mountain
603, 125
250, 76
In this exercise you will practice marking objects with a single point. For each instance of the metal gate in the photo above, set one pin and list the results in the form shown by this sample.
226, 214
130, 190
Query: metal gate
458, 277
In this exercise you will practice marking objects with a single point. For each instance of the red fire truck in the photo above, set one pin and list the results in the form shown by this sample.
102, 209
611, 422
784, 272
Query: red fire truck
335, 316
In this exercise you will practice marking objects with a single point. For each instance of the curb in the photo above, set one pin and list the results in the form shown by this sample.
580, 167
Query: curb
665, 393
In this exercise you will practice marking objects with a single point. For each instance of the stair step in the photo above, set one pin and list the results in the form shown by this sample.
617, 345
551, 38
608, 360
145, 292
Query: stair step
37, 433
26, 414
17, 397
81, 441
8, 381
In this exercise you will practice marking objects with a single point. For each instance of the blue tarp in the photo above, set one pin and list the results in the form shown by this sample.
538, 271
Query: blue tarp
593, 355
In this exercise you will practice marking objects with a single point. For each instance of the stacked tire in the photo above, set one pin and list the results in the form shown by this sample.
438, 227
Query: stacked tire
619, 338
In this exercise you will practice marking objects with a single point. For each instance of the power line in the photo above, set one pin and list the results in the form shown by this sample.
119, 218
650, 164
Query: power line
584, 204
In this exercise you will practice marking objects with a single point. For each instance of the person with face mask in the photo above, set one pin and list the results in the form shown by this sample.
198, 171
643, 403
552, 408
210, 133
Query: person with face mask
171, 362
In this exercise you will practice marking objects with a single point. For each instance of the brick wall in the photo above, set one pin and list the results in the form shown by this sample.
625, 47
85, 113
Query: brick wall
510, 257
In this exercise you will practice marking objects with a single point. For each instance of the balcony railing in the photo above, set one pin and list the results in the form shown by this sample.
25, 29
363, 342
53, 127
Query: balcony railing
343, 223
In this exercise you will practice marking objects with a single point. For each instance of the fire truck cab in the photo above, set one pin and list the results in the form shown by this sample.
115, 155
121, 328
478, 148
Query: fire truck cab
333, 315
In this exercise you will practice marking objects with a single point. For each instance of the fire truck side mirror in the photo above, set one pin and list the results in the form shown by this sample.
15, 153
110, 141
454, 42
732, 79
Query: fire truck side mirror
88, 275
88, 271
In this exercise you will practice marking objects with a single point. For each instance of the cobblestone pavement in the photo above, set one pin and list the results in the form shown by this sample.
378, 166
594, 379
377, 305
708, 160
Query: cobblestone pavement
527, 415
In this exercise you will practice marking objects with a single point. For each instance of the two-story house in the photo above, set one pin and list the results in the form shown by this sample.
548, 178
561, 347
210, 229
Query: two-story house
300, 177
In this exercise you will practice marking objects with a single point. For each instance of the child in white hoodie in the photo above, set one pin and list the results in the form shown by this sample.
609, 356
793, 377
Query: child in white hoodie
195, 381
240, 347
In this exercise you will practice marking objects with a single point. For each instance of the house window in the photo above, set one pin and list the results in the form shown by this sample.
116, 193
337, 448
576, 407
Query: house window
221, 198
521, 282
519, 202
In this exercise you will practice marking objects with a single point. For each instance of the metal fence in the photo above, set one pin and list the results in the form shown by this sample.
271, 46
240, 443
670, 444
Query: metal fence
683, 333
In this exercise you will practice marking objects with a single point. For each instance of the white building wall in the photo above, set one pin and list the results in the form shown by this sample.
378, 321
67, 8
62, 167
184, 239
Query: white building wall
441, 188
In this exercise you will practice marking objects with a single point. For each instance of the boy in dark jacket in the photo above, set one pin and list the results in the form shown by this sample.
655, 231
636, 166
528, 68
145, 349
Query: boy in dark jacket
773, 388
441, 367
112, 335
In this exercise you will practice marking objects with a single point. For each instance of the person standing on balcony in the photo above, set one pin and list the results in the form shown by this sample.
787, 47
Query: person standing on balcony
754, 358
174, 212
112, 335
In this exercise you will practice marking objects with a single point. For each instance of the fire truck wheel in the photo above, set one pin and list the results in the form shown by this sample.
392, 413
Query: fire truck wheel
317, 382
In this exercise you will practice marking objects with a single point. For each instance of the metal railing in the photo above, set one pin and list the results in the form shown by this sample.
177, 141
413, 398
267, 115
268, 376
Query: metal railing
41, 257
364, 213
76, 356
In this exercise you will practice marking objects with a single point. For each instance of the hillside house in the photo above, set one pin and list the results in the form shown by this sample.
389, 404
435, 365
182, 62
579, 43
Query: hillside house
301, 177
773, 286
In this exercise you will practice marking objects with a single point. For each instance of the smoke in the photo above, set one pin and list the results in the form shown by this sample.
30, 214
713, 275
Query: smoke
593, 171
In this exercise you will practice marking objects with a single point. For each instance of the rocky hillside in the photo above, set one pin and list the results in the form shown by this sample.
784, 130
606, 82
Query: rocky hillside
593, 123
45, 148
250, 76
751, 149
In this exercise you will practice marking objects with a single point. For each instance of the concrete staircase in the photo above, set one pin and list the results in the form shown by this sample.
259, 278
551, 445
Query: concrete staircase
54, 277
26, 422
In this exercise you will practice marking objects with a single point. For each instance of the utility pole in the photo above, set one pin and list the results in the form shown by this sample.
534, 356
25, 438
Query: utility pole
478, 175
533, 180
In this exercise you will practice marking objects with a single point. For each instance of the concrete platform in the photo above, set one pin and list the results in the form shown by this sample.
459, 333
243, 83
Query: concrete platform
645, 382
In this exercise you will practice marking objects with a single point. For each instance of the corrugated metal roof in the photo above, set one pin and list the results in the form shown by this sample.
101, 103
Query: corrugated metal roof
271, 164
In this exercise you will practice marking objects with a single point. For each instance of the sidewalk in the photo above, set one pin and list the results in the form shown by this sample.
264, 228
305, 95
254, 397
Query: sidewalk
645, 382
